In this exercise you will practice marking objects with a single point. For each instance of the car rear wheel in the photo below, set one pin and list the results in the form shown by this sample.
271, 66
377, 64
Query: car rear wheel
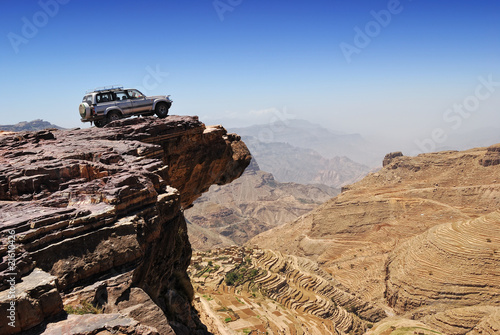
161, 110
100, 123
114, 115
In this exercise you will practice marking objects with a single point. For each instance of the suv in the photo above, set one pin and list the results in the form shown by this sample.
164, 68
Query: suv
108, 104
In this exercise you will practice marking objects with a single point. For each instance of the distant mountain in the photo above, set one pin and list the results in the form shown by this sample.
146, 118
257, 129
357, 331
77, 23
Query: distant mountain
304, 134
30, 126
304, 166
254, 203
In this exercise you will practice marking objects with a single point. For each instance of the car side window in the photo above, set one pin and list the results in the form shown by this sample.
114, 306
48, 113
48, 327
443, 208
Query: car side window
104, 97
121, 96
87, 99
135, 94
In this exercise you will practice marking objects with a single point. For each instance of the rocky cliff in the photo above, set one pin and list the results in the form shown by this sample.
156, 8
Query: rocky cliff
94, 217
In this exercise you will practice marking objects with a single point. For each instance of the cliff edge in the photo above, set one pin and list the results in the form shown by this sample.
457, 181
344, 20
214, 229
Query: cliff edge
94, 217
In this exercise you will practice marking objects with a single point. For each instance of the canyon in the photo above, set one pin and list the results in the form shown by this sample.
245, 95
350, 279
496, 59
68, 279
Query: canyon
234, 213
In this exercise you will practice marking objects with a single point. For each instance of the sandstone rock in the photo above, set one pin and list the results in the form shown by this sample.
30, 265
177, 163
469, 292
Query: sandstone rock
389, 157
99, 324
492, 156
93, 203
29, 302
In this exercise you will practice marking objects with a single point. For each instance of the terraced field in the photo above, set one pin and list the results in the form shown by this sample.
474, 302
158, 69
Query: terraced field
294, 287
419, 238
423, 271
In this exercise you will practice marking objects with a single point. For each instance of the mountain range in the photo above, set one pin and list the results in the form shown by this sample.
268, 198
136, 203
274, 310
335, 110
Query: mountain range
34, 125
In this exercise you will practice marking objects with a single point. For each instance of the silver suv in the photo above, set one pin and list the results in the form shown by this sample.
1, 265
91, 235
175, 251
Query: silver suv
108, 104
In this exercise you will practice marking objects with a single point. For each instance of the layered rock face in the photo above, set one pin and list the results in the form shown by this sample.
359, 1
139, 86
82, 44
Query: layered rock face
100, 210
420, 236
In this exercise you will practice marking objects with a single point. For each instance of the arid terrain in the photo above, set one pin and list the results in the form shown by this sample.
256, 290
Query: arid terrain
232, 214
102, 243
411, 249
420, 237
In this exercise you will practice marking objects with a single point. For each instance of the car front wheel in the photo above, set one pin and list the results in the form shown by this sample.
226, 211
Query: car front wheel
161, 110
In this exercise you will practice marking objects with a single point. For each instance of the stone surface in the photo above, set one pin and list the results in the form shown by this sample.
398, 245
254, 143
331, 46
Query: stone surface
492, 156
32, 300
389, 157
93, 203
98, 324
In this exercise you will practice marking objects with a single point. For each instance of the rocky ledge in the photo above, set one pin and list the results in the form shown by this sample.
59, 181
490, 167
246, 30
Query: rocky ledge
95, 217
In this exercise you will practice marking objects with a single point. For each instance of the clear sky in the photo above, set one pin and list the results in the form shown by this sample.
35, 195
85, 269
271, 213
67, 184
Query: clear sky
371, 67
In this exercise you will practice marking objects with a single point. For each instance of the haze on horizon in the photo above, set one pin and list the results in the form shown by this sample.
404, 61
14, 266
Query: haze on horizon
412, 71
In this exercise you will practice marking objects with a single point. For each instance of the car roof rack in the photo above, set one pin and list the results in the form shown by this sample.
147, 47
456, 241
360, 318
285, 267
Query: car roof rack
107, 88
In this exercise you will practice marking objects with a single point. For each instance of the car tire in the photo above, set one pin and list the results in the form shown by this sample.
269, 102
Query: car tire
100, 123
113, 116
161, 110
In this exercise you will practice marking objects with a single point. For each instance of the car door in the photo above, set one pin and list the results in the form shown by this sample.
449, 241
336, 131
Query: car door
140, 103
123, 102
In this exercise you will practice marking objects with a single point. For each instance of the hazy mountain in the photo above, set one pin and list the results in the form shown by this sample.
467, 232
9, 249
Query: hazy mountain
34, 125
304, 134
304, 166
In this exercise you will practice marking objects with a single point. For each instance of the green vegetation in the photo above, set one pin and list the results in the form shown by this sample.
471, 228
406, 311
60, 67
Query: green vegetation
207, 297
306, 201
240, 275
228, 319
209, 268
85, 308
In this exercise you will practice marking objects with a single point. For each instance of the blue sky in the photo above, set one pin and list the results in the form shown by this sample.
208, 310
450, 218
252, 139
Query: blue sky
241, 62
